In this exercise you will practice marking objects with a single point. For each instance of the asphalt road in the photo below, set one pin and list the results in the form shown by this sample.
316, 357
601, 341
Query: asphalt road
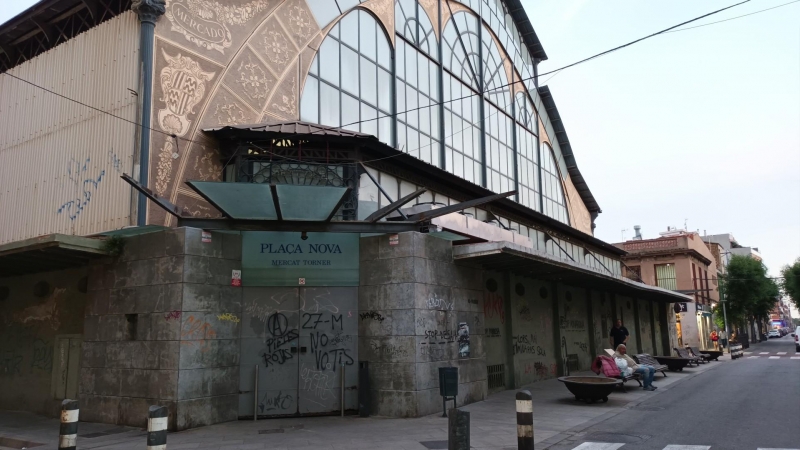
750, 403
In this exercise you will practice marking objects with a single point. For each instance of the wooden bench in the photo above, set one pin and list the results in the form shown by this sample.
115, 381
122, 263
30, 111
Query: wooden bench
696, 352
684, 354
646, 359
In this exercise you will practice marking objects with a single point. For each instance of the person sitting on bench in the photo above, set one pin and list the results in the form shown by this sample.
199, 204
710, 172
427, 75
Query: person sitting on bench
647, 372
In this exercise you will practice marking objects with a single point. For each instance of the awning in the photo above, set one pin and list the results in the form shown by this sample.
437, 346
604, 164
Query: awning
46, 253
534, 263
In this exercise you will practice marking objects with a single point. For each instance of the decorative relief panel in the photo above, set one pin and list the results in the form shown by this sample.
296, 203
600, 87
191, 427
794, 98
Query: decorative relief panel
183, 85
250, 79
299, 21
431, 8
206, 23
227, 109
384, 11
275, 45
285, 99
448, 7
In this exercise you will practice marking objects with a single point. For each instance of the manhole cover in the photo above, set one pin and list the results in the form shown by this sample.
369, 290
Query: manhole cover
648, 408
602, 436
435, 444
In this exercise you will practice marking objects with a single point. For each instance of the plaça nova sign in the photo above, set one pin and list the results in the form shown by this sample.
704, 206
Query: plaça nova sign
283, 258
298, 248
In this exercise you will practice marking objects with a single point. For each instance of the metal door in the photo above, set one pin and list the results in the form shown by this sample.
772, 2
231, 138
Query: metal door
299, 337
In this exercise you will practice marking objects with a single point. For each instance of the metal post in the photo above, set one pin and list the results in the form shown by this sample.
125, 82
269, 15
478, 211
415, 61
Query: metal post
68, 435
727, 333
255, 396
157, 418
524, 420
342, 389
458, 430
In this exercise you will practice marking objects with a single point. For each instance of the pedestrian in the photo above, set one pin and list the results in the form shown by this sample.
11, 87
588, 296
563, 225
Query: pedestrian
618, 335
627, 366
723, 339
715, 339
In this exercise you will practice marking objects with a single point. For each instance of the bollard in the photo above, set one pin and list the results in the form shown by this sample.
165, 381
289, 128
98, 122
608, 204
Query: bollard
524, 420
458, 430
157, 428
255, 397
68, 435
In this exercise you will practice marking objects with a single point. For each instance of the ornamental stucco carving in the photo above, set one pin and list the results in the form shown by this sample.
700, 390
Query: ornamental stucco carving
205, 23
183, 85
149, 10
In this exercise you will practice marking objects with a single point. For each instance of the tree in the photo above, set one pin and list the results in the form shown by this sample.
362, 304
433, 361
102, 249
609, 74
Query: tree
749, 293
791, 282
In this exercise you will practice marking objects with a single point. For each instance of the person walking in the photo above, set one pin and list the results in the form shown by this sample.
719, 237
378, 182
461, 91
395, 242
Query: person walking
715, 339
723, 338
618, 334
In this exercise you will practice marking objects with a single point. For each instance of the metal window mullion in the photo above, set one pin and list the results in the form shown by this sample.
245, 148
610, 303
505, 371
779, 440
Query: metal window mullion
514, 138
481, 106
442, 148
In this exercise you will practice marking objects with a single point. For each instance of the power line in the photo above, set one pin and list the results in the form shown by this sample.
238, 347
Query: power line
732, 18
598, 55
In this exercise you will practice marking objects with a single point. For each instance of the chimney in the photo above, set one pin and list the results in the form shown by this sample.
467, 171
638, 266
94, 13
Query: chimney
638, 236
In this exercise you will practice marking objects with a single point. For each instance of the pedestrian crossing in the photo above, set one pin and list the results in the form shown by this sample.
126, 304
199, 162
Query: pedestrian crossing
616, 446
776, 355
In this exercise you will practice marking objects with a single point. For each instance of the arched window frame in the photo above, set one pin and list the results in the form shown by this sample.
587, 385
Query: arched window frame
554, 202
348, 47
527, 146
417, 83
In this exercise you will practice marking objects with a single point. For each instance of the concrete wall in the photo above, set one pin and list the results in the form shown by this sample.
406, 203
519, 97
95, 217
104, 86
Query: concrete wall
423, 297
645, 326
658, 312
533, 346
32, 327
626, 312
154, 335
574, 323
603, 317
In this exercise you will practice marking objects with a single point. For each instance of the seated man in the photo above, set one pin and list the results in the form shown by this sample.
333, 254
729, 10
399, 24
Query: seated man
648, 372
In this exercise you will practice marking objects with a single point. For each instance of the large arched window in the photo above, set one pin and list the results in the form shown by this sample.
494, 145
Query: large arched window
552, 192
417, 83
527, 152
350, 80
499, 124
461, 96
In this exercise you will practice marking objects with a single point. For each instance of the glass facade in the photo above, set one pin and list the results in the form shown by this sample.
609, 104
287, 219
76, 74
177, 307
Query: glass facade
484, 131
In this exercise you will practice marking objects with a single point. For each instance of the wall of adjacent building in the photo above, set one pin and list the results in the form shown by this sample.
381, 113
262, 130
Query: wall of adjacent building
37, 323
60, 161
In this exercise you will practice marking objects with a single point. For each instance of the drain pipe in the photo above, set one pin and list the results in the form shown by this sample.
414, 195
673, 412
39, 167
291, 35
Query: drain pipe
148, 11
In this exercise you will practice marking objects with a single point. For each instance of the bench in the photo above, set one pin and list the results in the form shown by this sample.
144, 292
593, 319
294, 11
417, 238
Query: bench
696, 352
685, 355
646, 359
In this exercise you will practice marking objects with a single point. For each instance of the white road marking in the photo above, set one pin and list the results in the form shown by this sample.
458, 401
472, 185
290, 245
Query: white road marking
598, 446
781, 353
687, 447
774, 357
794, 357
748, 353
764, 353
753, 357
761, 448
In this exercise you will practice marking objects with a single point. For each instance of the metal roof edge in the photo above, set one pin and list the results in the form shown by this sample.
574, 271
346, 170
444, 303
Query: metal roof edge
493, 248
76, 243
566, 150
525, 28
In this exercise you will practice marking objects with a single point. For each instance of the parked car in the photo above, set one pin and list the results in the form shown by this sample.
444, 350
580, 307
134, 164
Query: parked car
782, 331
796, 335
774, 334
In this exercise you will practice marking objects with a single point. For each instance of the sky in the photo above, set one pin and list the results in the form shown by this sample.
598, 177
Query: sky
699, 127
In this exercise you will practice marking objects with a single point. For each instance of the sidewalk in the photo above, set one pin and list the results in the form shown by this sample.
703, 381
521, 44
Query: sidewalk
557, 416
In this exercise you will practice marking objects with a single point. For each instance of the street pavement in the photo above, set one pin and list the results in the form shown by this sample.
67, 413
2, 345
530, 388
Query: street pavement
750, 403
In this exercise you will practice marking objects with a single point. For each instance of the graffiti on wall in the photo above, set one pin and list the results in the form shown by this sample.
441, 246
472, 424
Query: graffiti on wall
437, 302
46, 313
42, 357
275, 402
463, 340
84, 183
526, 344
493, 306
10, 362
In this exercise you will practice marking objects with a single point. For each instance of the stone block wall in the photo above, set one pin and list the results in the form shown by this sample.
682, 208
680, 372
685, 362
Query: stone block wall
161, 328
413, 299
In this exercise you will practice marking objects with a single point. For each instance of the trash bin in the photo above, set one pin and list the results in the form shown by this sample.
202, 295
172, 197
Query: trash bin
448, 386
363, 389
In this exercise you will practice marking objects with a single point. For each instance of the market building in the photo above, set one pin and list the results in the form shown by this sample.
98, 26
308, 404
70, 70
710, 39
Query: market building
229, 208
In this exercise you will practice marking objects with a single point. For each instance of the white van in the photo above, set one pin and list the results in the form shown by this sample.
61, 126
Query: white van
796, 335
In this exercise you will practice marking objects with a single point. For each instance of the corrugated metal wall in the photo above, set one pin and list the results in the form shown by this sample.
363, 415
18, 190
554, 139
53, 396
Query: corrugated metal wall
60, 161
